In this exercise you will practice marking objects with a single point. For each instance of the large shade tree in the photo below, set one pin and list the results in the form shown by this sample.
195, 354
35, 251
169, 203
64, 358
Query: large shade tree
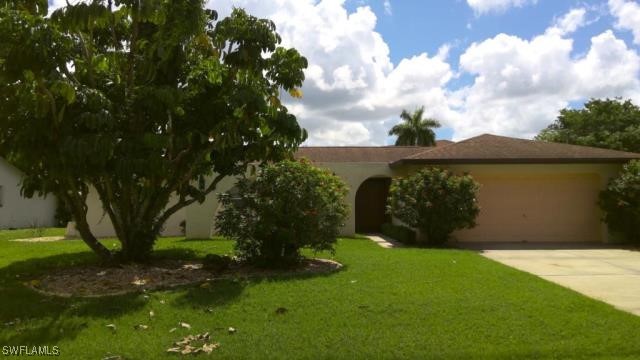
149, 103
415, 130
609, 123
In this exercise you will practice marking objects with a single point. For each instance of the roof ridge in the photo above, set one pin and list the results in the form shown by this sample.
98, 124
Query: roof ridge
448, 142
563, 144
363, 146
442, 146
489, 147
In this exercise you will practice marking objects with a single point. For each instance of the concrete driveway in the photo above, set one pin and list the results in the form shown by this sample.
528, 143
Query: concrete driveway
609, 275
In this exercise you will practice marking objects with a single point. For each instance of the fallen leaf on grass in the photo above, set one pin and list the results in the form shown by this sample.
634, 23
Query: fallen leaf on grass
102, 273
208, 348
139, 282
162, 302
281, 310
152, 314
112, 357
112, 327
185, 325
187, 350
192, 266
194, 344
185, 341
232, 330
172, 330
141, 327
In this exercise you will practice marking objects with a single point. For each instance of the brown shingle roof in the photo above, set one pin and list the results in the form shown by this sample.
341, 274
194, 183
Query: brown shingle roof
495, 149
365, 154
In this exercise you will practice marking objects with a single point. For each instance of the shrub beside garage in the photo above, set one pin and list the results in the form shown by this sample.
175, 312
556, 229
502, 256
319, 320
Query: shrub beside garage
620, 202
436, 202
399, 233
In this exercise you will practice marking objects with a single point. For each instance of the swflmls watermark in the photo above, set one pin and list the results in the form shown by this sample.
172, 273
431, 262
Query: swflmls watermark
24, 350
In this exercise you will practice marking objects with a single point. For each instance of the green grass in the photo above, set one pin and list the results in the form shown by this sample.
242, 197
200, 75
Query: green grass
30, 233
400, 303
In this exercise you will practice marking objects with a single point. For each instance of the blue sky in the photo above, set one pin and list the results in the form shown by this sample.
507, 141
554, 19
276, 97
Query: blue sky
415, 26
505, 67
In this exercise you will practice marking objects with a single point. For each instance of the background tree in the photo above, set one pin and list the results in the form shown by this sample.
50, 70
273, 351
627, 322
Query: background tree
610, 123
436, 202
141, 103
289, 206
620, 202
415, 130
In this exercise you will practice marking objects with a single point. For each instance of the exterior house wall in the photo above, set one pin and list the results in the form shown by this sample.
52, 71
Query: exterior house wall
538, 202
101, 225
572, 187
17, 211
200, 217
354, 174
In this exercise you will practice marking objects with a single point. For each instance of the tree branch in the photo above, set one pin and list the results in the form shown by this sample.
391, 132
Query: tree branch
76, 203
186, 202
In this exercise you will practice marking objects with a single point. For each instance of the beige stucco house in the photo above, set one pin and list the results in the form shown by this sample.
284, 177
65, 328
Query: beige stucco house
17, 211
531, 191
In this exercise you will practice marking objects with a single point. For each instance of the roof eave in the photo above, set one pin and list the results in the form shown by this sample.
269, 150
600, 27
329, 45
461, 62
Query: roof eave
511, 161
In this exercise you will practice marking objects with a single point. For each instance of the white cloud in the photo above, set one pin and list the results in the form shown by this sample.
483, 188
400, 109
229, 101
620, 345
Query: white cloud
570, 22
627, 14
354, 93
496, 6
388, 9
521, 84
352, 90
610, 68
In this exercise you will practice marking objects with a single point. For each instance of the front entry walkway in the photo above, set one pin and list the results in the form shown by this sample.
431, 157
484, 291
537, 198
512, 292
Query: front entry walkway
383, 241
609, 275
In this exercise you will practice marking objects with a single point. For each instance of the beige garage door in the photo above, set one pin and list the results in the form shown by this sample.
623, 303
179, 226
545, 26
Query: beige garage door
537, 208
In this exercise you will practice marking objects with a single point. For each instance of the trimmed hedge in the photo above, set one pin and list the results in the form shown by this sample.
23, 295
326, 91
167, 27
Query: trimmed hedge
400, 233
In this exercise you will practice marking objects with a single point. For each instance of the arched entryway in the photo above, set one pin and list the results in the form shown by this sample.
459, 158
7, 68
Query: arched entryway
371, 201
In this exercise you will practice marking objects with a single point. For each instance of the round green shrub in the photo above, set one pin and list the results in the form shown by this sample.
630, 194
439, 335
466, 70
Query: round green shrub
290, 205
436, 202
620, 202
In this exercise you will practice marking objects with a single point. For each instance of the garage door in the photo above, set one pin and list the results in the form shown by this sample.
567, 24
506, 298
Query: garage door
537, 208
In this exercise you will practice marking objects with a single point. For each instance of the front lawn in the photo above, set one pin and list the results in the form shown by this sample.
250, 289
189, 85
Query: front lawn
400, 303
30, 233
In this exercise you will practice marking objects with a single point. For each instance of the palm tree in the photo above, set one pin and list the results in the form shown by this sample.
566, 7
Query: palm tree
415, 131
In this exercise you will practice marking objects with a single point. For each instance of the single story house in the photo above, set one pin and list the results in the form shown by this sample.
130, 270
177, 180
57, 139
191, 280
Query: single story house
531, 191
17, 211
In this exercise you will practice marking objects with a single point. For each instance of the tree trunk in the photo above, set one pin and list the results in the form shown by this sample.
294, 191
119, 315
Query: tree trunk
137, 243
77, 208
87, 236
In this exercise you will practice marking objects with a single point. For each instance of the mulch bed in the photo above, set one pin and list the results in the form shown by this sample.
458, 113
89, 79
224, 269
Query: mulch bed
97, 281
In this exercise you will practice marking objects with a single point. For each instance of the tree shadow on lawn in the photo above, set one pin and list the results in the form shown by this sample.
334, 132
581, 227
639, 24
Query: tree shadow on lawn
30, 318
222, 291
